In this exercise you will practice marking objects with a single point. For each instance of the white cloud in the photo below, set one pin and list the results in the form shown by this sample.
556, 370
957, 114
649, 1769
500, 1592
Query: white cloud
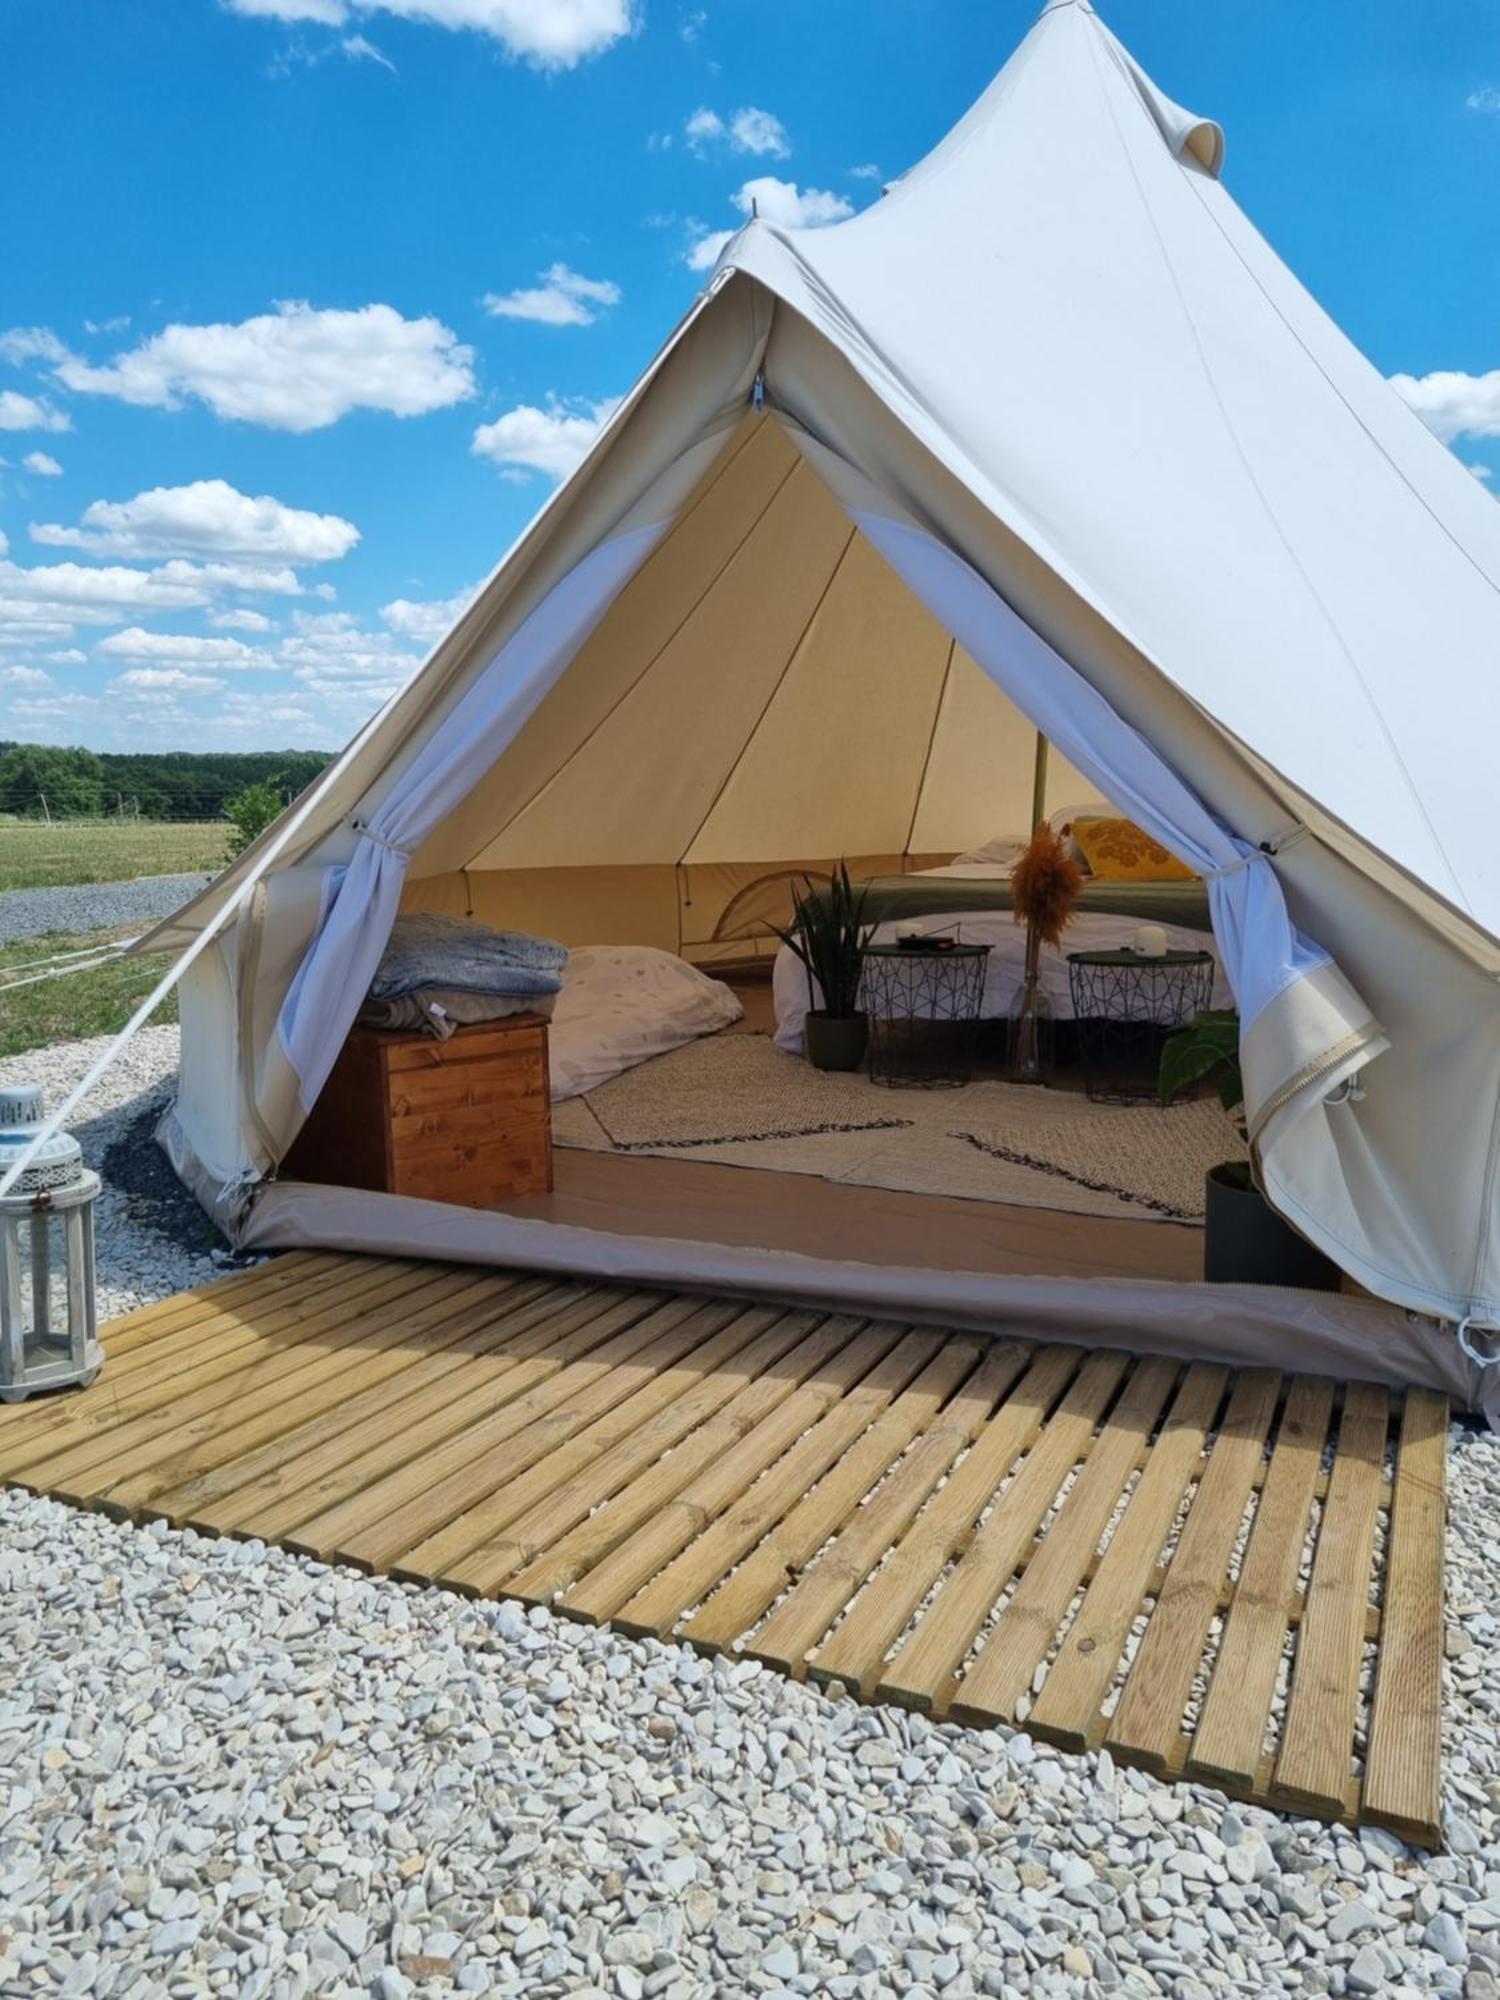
552, 441
358, 49
560, 298
1487, 98
43, 464
241, 620
207, 518
704, 251
181, 649
24, 677
297, 369
30, 413
704, 129
430, 621
552, 34
865, 173
779, 202
69, 658
755, 131
178, 680
22, 344
55, 596
692, 25
748, 130
1453, 404
1482, 471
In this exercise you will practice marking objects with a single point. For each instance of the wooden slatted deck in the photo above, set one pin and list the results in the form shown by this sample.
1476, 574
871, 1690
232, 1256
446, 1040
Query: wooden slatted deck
1236, 1578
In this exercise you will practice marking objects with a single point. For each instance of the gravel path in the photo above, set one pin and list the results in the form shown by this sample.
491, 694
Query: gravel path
232, 1771
93, 906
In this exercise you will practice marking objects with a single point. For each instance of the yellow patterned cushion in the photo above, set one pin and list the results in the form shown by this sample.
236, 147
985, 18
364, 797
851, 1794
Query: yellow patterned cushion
1116, 850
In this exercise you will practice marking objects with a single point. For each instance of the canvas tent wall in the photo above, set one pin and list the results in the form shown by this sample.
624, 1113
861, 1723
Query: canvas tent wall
829, 714
1066, 394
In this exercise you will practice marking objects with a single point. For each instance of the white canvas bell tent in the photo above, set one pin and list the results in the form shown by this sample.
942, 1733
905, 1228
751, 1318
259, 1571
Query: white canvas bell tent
1046, 438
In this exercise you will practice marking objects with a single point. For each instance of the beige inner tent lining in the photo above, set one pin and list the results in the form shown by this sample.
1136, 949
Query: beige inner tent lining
811, 706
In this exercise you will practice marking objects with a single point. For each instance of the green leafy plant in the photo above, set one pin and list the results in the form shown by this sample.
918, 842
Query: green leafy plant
828, 934
250, 812
1208, 1049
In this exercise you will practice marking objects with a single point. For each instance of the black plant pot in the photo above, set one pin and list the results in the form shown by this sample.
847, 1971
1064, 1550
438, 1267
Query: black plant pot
836, 1041
1245, 1242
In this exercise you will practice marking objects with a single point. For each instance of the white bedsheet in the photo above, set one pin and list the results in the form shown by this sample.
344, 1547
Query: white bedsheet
1088, 931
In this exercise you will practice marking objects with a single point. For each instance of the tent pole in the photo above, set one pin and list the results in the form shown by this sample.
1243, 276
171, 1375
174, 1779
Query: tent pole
1039, 782
1029, 1038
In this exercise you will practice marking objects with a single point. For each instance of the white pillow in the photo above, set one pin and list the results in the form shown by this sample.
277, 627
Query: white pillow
1004, 851
621, 1004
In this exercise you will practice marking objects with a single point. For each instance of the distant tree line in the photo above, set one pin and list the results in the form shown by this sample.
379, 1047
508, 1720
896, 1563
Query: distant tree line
39, 781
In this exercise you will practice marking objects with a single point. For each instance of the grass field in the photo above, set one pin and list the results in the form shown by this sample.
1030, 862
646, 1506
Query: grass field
34, 855
95, 1002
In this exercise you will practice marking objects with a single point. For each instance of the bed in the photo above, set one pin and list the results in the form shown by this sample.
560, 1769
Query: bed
975, 901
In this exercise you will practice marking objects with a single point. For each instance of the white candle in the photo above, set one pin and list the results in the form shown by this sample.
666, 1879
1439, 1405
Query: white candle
1150, 941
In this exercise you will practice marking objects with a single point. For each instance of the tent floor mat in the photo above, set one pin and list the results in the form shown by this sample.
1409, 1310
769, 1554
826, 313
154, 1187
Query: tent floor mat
1231, 1577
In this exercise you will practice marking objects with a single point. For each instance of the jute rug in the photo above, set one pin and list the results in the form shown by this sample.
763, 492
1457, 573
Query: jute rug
737, 1100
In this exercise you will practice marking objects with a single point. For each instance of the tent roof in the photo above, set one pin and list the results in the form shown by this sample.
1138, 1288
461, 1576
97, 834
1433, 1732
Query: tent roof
1063, 302
1062, 305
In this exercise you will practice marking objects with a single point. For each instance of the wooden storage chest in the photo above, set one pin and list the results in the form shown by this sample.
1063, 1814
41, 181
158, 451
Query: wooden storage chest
467, 1120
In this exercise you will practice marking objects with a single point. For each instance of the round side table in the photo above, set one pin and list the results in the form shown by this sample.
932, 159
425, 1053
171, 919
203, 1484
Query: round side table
1125, 1006
924, 1008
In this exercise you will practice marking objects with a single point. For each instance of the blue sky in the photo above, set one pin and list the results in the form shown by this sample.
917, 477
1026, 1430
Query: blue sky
305, 304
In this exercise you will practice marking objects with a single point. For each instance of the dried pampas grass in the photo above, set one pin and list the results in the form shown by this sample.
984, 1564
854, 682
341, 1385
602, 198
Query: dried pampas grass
1046, 882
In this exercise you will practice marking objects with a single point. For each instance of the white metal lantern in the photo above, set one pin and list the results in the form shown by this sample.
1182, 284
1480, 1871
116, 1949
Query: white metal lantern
48, 1331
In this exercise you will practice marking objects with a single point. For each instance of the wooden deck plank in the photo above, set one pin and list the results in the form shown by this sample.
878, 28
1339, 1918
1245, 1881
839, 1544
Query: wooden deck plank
289, 1267
858, 1348
1229, 1743
265, 1379
1067, 1709
612, 1521
48, 1425
921, 1674
857, 1649
914, 1512
690, 1576
610, 1455
1021, 1640
342, 1468
825, 1587
705, 1343
1313, 1766
411, 1495
743, 1597
294, 1375
1147, 1726
530, 1321
1402, 1788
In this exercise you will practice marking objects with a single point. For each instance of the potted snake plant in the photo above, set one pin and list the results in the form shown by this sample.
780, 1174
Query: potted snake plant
1245, 1242
828, 934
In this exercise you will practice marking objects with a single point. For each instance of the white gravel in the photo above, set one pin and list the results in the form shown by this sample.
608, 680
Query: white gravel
93, 906
227, 1770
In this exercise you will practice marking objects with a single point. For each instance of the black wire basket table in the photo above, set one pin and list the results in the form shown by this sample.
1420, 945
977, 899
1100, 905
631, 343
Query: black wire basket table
924, 1006
1125, 1006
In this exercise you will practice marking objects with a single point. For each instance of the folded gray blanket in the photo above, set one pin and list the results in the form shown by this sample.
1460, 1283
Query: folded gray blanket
466, 957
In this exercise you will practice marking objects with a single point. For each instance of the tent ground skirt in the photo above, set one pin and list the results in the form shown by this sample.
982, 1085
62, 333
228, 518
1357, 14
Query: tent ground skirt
1228, 1575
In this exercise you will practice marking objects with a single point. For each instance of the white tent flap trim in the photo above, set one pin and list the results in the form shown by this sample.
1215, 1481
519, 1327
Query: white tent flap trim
361, 896
1305, 1032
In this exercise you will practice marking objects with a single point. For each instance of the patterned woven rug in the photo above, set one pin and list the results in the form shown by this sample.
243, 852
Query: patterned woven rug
737, 1100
